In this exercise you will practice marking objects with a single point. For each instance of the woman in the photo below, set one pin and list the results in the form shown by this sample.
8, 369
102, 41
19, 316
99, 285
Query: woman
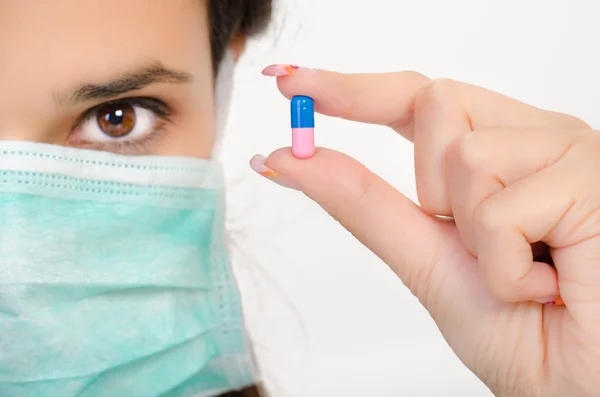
94, 84
114, 275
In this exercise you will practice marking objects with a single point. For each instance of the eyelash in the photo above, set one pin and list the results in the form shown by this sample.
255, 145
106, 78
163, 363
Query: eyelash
132, 146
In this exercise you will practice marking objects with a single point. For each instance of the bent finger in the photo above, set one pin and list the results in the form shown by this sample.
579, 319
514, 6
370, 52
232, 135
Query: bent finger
480, 165
447, 109
506, 225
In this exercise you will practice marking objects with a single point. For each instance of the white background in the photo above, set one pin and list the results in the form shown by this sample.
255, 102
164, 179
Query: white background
328, 318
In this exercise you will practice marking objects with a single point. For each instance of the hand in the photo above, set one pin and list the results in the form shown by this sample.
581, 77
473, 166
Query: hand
515, 178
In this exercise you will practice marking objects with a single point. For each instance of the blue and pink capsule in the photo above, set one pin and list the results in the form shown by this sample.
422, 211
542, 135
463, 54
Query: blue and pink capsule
303, 126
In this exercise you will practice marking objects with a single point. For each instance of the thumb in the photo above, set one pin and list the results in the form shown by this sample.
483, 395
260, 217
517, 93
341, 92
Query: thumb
379, 216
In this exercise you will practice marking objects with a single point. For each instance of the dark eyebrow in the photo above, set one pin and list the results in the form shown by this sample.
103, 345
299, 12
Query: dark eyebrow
126, 82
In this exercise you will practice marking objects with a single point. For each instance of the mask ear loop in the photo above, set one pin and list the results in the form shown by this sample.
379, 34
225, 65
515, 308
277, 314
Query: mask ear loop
223, 94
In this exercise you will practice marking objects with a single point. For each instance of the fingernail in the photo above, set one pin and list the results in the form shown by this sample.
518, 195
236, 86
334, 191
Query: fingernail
281, 70
257, 163
555, 301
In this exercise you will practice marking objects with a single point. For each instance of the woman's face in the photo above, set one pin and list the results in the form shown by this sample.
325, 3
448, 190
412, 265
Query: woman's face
132, 77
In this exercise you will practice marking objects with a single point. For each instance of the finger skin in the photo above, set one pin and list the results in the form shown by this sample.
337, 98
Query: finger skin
379, 216
431, 113
375, 98
523, 213
446, 109
479, 165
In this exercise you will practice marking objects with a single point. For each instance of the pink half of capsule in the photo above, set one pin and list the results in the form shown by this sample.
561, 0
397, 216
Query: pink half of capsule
303, 126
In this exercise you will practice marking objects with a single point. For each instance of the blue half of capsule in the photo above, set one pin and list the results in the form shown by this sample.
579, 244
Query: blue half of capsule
303, 112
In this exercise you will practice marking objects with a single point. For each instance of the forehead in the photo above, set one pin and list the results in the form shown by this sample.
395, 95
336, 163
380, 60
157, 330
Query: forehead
45, 42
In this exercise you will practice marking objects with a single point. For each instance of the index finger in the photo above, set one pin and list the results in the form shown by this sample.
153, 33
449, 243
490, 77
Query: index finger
375, 98
430, 113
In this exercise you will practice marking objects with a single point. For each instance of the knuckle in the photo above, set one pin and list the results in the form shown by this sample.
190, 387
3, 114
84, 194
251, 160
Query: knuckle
410, 81
469, 152
414, 75
568, 121
411, 75
584, 151
437, 93
587, 142
505, 284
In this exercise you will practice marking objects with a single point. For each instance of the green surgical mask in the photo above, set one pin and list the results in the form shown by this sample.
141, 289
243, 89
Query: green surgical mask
114, 277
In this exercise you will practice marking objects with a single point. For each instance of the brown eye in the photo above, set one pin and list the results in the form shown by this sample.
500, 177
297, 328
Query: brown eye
116, 120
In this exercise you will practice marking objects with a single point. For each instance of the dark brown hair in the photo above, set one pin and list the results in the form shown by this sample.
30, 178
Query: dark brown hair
230, 19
